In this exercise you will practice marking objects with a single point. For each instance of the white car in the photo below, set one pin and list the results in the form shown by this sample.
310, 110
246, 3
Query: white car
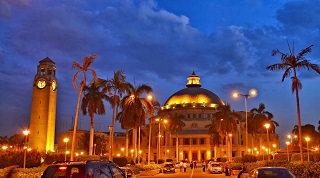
215, 167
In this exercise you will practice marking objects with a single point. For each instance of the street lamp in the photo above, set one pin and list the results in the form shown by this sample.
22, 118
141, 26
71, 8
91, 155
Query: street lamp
122, 150
26, 133
150, 98
267, 127
252, 93
159, 136
287, 142
308, 139
66, 141
290, 137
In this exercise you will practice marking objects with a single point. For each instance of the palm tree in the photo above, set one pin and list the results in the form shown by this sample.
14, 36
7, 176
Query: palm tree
87, 61
214, 134
259, 117
291, 64
92, 103
176, 124
225, 120
135, 108
116, 87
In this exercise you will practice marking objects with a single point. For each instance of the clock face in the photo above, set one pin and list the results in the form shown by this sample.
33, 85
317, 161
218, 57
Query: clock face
41, 83
54, 85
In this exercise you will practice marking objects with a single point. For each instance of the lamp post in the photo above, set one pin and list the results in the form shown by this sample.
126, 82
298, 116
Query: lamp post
308, 139
252, 93
267, 127
287, 142
159, 136
66, 141
150, 98
26, 133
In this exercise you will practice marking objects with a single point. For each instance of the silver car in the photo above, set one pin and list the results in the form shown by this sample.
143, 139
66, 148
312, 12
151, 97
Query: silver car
271, 172
215, 167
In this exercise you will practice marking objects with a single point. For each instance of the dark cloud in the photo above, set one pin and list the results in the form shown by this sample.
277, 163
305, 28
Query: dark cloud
152, 44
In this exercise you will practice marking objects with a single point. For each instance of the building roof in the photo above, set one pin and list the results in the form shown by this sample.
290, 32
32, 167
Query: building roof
47, 59
194, 94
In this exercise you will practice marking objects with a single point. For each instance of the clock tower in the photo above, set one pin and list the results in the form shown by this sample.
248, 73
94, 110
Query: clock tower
43, 107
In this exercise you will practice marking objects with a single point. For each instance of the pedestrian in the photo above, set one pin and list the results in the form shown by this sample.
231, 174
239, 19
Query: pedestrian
185, 167
227, 170
191, 164
181, 166
194, 164
203, 166
243, 169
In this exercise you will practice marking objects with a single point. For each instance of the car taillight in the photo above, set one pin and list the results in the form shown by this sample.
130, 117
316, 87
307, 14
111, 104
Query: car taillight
62, 168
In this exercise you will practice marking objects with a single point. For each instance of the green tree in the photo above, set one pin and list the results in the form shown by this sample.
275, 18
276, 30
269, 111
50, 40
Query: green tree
81, 69
291, 64
116, 87
214, 134
225, 120
176, 124
258, 118
136, 108
92, 103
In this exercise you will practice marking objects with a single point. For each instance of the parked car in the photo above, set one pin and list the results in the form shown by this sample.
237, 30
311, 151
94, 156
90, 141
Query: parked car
215, 167
169, 167
87, 169
127, 172
271, 172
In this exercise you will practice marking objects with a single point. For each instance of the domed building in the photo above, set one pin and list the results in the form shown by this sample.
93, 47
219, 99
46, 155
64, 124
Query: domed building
195, 106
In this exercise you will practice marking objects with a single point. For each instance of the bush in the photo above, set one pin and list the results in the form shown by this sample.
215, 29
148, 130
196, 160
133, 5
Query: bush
120, 161
10, 158
160, 161
237, 159
249, 159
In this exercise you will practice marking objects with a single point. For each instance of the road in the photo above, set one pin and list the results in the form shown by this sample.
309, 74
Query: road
191, 173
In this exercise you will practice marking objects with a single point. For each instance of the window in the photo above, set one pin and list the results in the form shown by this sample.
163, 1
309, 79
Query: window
199, 116
202, 141
49, 71
208, 116
186, 141
188, 115
194, 116
174, 141
42, 71
194, 141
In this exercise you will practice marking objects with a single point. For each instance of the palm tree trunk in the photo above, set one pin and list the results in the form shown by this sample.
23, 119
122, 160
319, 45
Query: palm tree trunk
177, 147
299, 125
75, 125
139, 143
112, 134
135, 143
91, 136
127, 142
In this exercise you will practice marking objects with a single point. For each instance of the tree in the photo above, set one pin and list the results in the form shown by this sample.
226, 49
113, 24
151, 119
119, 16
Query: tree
214, 134
291, 64
225, 120
259, 117
116, 87
135, 108
92, 103
84, 68
176, 124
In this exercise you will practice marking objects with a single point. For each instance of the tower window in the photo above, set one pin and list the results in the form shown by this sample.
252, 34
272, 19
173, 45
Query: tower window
49, 71
42, 71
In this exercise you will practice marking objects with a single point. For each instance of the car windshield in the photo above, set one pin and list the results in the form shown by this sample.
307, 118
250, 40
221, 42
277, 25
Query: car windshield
275, 173
215, 165
168, 165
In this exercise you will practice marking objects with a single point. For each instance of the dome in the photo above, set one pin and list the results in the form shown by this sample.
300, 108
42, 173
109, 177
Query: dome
194, 95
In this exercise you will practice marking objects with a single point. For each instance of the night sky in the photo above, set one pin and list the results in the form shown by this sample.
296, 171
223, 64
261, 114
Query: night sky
227, 43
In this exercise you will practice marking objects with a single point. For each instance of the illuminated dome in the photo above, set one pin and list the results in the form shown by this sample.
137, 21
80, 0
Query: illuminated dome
193, 95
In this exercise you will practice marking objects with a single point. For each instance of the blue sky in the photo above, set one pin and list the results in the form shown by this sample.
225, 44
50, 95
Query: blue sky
227, 43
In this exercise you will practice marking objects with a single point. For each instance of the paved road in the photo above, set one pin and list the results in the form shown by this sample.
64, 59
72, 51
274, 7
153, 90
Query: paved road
191, 173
